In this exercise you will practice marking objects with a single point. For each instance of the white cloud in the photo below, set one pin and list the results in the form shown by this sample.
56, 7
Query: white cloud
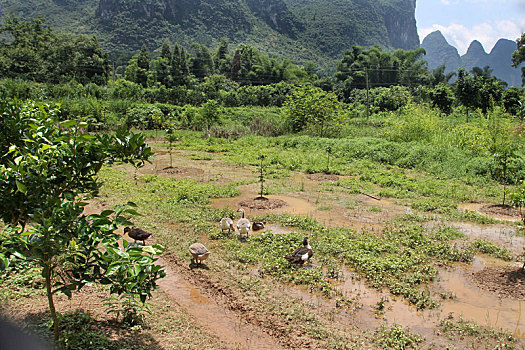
486, 33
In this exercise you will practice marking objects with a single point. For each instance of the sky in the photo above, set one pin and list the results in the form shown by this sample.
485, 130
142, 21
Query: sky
462, 21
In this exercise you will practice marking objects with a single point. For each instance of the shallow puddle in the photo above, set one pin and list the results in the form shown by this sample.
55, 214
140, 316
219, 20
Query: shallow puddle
336, 216
371, 307
498, 233
478, 305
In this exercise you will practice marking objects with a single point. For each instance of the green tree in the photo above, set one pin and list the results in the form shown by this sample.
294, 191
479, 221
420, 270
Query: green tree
261, 169
37, 53
162, 66
48, 170
138, 67
362, 68
202, 63
518, 201
518, 56
313, 110
24, 52
180, 71
442, 97
209, 115
171, 137
438, 75
511, 99
467, 90
221, 59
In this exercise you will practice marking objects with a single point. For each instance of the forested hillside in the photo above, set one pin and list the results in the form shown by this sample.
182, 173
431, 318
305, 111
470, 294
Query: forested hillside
298, 29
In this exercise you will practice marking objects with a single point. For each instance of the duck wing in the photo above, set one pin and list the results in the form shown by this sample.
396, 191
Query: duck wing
300, 255
243, 223
139, 234
198, 249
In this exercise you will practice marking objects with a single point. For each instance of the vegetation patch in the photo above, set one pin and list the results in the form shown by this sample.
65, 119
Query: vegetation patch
397, 337
484, 337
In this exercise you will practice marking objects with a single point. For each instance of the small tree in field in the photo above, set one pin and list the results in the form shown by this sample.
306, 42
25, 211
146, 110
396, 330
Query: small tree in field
328, 153
171, 137
261, 169
48, 171
518, 200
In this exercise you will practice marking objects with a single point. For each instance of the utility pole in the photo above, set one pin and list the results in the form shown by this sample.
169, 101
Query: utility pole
367, 101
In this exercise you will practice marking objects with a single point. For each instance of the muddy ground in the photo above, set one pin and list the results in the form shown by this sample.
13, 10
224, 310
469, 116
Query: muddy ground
206, 307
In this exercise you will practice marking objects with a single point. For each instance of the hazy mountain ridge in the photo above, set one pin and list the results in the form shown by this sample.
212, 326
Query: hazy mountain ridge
301, 30
439, 52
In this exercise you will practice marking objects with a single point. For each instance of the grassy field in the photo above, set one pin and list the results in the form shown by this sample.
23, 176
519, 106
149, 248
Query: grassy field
385, 218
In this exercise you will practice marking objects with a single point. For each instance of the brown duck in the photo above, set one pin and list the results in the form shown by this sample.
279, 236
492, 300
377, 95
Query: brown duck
199, 252
302, 254
137, 234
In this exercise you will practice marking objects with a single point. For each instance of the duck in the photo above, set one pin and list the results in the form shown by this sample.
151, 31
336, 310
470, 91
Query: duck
137, 234
199, 253
226, 224
243, 225
258, 225
301, 254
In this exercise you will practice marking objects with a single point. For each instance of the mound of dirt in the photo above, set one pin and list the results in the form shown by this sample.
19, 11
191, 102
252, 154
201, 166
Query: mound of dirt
322, 177
181, 171
263, 203
500, 209
506, 281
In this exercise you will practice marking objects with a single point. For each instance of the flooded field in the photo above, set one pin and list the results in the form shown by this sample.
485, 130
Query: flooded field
241, 302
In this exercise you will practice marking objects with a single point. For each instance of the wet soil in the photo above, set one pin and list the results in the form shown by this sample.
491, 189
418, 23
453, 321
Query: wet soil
505, 281
180, 171
322, 177
500, 210
263, 203
494, 211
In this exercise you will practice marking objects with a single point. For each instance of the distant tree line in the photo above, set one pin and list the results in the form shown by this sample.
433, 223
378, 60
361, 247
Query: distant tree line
28, 50
243, 76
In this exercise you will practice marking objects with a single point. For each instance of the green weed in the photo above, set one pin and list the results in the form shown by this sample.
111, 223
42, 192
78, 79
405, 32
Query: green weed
489, 248
488, 338
397, 337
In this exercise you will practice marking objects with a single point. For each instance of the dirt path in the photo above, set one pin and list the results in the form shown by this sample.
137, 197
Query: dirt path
228, 326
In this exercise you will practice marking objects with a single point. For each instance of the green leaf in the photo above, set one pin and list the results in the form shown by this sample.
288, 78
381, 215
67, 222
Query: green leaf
133, 212
68, 123
4, 262
21, 187
106, 213
45, 147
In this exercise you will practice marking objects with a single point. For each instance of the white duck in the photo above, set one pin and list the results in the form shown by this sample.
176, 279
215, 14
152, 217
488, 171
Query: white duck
243, 225
226, 224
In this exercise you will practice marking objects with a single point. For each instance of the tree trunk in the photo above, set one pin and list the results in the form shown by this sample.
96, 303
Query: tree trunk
47, 276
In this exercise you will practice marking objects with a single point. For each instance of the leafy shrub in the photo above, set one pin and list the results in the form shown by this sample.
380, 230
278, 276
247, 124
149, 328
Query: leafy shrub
415, 123
143, 116
392, 98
